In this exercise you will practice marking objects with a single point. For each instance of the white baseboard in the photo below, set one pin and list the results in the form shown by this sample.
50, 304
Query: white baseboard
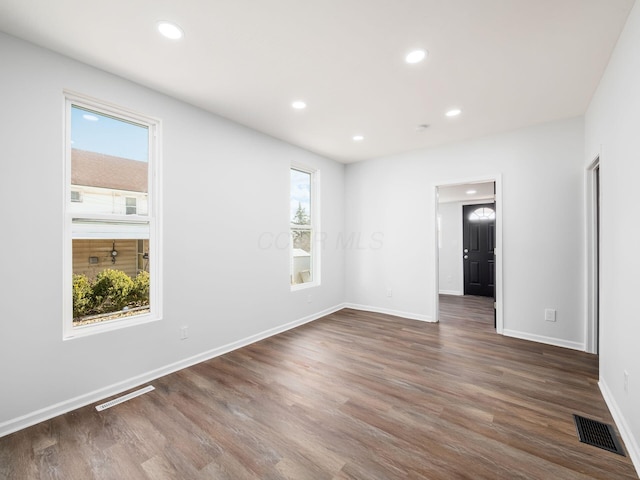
558, 342
457, 293
97, 395
387, 311
633, 449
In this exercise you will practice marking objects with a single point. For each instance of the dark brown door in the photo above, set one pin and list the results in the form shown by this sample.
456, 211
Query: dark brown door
478, 243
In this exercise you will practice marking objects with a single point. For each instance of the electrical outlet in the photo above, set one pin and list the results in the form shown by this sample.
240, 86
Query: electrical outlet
184, 333
549, 314
389, 293
626, 382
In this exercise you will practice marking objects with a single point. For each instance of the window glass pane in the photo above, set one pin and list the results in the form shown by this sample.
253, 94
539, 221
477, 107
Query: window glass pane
109, 164
300, 197
301, 231
301, 253
109, 281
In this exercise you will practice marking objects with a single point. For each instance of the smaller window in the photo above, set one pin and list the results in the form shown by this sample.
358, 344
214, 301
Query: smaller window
304, 261
482, 214
132, 206
143, 256
76, 196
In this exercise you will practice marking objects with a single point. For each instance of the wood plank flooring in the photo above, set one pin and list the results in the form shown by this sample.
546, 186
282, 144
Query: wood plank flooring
355, 395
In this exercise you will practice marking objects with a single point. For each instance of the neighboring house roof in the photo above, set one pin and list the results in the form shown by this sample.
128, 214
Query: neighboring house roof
93, 169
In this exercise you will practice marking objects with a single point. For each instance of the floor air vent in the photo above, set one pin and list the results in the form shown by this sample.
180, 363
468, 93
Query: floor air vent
597, 434
124, 398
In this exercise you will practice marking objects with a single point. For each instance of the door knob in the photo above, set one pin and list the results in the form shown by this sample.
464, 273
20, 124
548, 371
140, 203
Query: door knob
466, 250
466, 256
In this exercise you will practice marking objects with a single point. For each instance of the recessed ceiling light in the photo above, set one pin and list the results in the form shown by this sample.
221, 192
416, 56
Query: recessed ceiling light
471, 192
299, 105
91, 118
358, 138
415, 56
454, 112
170, 30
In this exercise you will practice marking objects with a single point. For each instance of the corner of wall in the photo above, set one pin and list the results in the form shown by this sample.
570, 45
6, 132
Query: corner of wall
633, 448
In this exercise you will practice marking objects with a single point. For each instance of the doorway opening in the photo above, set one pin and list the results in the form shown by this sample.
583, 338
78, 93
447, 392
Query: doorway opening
593, 256
468, 249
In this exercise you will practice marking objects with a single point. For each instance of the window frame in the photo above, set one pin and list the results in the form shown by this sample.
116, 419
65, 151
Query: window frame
314, 228
152, 219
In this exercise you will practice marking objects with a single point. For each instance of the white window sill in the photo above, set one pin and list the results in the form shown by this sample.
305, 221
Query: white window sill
107, 326
304, 286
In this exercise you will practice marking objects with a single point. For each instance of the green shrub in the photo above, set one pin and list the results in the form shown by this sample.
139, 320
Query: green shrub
82, 296
111, 290
140, 293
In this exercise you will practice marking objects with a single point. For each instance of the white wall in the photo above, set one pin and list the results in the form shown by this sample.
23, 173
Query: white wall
225, 194
542, 233
451, 278
612, 131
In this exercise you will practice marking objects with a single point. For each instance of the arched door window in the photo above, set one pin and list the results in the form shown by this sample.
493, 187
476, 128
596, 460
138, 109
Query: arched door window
482, 214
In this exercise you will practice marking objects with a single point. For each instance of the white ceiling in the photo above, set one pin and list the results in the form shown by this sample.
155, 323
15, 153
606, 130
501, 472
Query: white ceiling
505, 63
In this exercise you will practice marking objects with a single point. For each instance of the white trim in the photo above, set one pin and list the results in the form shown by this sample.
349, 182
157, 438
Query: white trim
109, 325
633, 447
388, 311
153, 218
303, 286
591, 252
60, 408
451, 292
436, 261
497, 178
483, 199
557, 342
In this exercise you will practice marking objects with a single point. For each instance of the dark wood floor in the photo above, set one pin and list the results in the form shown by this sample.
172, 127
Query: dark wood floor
352, 396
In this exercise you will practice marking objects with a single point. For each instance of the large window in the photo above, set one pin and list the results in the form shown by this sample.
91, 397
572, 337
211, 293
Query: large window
111, 248
303, 219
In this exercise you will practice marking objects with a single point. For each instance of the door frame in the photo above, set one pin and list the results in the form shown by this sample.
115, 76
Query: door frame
497, 179
592, 248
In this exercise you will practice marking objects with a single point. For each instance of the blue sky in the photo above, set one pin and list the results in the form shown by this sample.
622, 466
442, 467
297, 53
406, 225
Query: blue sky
300, 192
99, 133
